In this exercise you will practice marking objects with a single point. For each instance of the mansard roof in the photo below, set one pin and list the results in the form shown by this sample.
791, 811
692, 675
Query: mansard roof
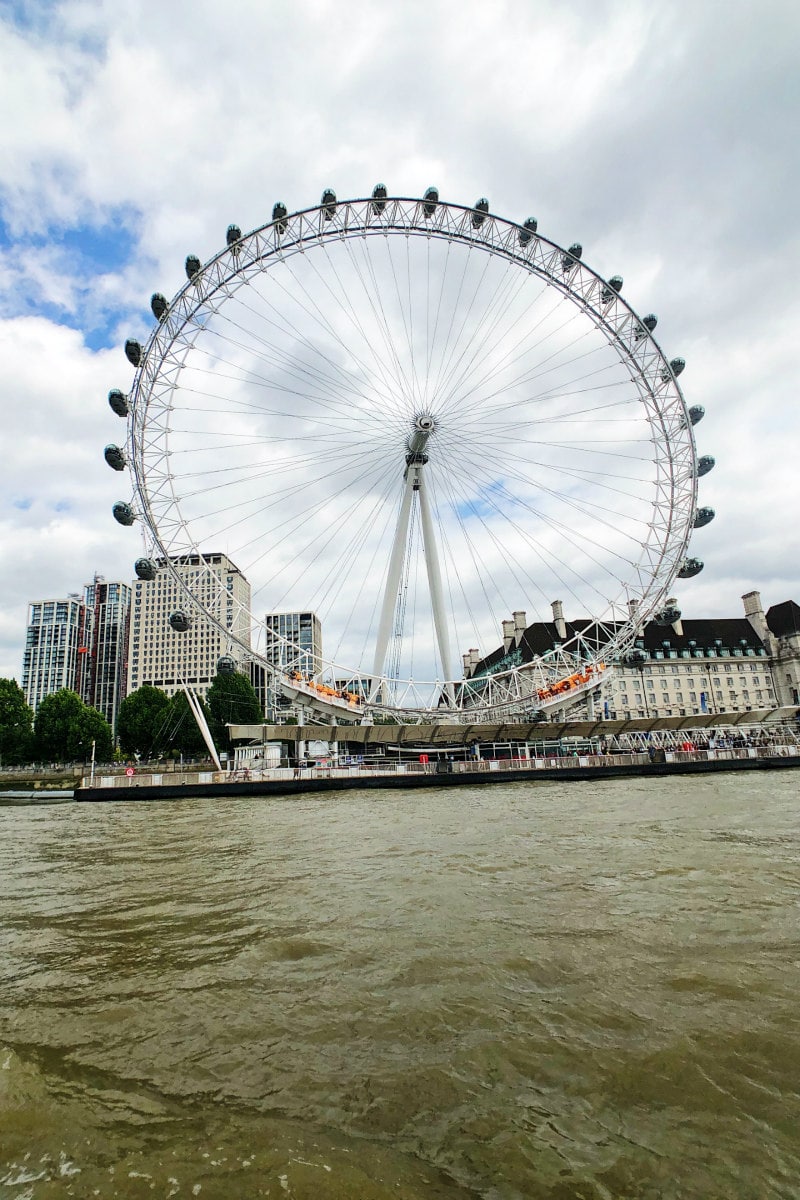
784, 619
713, 633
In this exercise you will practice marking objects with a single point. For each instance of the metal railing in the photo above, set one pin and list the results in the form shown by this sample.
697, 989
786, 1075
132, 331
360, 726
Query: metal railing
469, 767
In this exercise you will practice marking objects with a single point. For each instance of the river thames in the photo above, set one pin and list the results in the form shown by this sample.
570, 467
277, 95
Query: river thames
586, 990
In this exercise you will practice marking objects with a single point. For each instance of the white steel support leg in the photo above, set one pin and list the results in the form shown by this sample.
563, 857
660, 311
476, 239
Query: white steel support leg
434, 581
392, 583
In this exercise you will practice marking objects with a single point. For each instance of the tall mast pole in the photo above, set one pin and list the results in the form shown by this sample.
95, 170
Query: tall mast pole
392, 585
435, 582
414, 482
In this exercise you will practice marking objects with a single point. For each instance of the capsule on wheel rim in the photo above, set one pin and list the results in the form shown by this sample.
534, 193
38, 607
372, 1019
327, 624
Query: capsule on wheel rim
133, 352
115, 457
430, 202
572, 255
159, 306
529, 227
611, 289
379, 195
179, 621
279, 213
123, 513
118, 402
690, 567
479, 211
145, 569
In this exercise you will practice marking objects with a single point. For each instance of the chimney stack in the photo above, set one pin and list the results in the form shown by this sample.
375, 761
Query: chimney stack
474, 658
508, 635
520, 624
467, 661
558, 619
754, 612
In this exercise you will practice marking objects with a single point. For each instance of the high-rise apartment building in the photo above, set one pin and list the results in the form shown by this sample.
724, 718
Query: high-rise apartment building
294, 642
108, 607
165, 658
56, 649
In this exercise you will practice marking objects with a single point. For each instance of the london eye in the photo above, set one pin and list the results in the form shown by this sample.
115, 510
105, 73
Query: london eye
417, 420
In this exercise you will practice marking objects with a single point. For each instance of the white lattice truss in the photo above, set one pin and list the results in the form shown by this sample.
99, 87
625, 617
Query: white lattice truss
522, 687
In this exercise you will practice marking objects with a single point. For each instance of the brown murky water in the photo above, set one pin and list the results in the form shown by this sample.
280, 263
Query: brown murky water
534, 990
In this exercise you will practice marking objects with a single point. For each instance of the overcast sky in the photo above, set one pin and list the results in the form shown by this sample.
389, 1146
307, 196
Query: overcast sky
662, 137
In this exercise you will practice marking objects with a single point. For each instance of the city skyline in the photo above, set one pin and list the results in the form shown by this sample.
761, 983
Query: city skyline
656, 138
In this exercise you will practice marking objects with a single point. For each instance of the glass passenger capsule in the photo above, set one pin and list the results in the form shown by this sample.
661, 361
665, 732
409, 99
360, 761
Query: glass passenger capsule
123, 513
569, 259
145, 568
479, 212
611, 289
690, 567
118, 402
379, 198
529, 227
115, 457
429, 201
703, 516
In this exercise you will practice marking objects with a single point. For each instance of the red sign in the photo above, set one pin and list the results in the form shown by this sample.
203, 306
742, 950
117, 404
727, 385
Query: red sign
129, 771
423, 758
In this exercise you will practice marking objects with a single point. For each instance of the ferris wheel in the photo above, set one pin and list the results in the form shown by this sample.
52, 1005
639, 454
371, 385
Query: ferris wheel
412, 419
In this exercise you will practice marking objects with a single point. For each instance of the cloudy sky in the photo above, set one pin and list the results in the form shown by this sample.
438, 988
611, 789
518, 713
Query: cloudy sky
662, 137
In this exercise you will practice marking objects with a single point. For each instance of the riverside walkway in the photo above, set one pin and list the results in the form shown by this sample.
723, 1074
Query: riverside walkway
270, 781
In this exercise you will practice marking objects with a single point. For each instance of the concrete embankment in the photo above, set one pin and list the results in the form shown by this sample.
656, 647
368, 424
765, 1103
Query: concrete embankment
36, 796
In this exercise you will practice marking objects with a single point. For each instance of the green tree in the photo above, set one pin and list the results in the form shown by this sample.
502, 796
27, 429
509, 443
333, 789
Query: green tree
65, 728
93, 727
142, 721
16, 724
182, 731
232, 700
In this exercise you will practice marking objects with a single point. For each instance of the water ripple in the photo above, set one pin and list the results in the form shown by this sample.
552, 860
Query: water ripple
532, 990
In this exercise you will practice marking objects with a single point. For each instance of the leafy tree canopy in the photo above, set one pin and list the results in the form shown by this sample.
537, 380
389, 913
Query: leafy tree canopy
182, 732
65, 728
142, 721
16, 724
232, 700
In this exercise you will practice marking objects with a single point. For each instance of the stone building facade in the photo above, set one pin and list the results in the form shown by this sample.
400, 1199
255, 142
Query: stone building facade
693, 667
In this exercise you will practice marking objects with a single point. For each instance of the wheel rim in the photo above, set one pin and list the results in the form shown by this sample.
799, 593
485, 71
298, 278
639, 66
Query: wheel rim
272, 411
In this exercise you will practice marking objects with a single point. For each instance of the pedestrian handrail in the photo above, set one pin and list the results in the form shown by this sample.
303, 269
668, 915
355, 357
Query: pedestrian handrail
470, 766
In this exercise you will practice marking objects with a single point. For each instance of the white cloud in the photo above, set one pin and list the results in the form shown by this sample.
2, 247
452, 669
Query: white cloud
658, 138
